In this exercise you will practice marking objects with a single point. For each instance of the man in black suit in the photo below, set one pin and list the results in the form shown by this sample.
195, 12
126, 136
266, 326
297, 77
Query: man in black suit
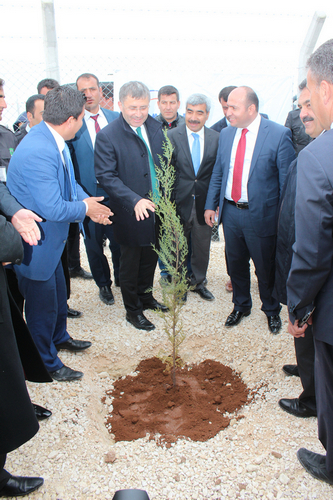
194, 155
252, 162
125, 153
223, 99
305, 404
310, 283
18, 421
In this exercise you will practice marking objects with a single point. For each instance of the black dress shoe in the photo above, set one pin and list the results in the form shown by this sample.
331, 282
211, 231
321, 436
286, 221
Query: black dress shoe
204, 293
315, 464
66, 374
297, 408
139, 321
18, 486
291, 370
80, 273
41, 413
235, 317
274, 323
106, 295
74, 345
154, 305
72, 313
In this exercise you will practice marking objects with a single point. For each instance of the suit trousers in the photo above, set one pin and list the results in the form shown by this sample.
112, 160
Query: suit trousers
137, 268
200, 236
242, 244
46, 314
305, 355
73, 246
98, 262
324, 397
4, 475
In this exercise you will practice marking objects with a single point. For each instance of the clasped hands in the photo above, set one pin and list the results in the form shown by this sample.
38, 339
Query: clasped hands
297, 331
97, 212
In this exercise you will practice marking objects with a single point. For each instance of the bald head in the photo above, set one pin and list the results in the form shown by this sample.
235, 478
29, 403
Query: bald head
243, 107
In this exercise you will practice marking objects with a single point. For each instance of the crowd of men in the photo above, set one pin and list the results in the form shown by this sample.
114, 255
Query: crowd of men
82, 166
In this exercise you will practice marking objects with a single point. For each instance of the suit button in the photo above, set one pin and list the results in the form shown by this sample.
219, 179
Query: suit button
64, 241
17, 261
146, 175
143, 155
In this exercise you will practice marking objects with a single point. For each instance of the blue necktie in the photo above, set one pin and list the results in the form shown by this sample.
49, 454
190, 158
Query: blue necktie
195, 153
72, 181
154, 181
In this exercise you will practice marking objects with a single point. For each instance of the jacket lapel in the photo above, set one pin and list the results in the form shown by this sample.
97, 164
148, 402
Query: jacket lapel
261, 137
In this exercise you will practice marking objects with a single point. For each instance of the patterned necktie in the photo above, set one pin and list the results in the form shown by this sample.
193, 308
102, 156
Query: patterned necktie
72, 181
195, 153
236, 191
154, 181
97, 127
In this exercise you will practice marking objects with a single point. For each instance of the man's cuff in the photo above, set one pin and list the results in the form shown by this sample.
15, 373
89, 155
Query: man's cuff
86, 204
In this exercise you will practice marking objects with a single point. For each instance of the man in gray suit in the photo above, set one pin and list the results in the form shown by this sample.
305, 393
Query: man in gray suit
195, 148
310, 283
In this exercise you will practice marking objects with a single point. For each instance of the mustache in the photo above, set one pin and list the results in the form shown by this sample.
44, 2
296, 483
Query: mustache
307, 119
194, 122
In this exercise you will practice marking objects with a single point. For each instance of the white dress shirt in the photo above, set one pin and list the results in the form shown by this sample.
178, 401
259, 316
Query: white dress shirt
90, 122
251, 138
201, 135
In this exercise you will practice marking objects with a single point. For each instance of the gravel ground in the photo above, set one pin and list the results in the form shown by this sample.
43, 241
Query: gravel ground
255, 457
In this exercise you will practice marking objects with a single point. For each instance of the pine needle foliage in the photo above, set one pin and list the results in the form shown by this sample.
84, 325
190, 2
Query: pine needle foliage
173, 253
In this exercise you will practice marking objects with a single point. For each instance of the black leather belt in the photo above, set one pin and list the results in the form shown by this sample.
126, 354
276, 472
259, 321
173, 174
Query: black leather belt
241, 206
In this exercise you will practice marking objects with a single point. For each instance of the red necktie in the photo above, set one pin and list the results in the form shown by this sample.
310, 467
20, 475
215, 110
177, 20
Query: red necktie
236, 191
97, 127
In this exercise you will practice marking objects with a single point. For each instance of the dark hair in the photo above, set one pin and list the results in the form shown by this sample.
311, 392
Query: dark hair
2, 82
61, 103
320, 63
49, 83
30, 104
224, 93
302, 85
168, 90
87, 75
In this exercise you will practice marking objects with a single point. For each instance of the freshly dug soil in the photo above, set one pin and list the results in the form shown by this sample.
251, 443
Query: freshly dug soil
198, 407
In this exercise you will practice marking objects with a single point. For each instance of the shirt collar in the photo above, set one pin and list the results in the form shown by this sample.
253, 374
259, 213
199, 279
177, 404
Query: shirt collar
57, 137
254, 126
201, 132
87, 113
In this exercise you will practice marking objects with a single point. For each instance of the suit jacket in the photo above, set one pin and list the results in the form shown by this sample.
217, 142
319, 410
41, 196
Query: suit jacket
82, 152
122, 168
272, 155
187, 184
39, 181
220, 125
310, 281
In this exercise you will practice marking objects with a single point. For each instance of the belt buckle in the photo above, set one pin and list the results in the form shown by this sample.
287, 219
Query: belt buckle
239, 206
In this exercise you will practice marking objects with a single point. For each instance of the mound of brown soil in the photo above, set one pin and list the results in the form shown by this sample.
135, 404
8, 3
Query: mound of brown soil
149, 404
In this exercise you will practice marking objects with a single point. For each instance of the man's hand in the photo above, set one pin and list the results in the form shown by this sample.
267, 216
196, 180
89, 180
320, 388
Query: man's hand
24, 222
210, 217
295, 330
142, 207
97, 212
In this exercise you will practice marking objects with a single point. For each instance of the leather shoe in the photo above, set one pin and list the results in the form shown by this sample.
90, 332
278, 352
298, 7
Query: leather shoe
291, 370
18, 486
297, 408
41, 413
72, 313
274, 323
204, 293
139, 321
155, 305
80, 273
66, 374
106, 295
315, 464
235, 317
74, 345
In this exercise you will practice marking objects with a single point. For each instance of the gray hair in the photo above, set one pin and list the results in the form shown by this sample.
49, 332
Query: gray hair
137, 90
320, 63
196, 99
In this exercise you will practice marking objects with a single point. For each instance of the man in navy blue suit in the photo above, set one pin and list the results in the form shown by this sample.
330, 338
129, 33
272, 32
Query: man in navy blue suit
252, 161
82, 151
41, 178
